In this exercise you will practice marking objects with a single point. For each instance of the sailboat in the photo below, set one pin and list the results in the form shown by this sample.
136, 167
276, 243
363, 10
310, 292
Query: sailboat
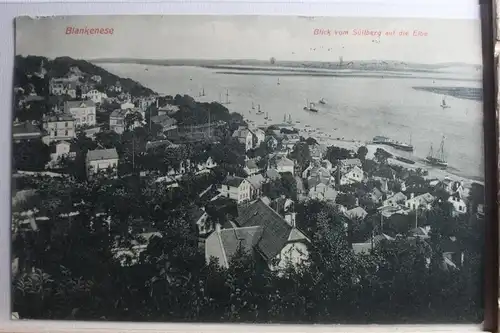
310, 107
443, 104
279, 81
322, 101
259, 111
227, 97
289, 119
438, 158
267, 116
284, 118
253, 106
202, 93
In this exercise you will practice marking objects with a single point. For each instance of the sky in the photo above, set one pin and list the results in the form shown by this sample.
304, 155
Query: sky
250, 37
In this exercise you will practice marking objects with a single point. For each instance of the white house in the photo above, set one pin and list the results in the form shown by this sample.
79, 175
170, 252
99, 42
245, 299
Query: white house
206, 166
127, 105
58, 127
63, 86
282, 164
83, 112
60, 150
347, 164
257, 181
245, 137
261, 231
260, 135
395, 200
423, 201
236, 188
101, 159
95, 96
251, 167
322, 192
352, 176
459, 206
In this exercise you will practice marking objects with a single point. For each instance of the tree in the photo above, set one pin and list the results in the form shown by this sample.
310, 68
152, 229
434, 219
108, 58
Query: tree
362, 152
301, 154
32, 155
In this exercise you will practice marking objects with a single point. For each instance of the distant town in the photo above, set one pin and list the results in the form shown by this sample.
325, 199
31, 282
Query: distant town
131, 205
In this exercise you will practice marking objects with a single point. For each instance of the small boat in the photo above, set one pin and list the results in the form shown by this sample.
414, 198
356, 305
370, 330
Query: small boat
438, 158
202, 93
444, 105
322, 101
279, 81
253, 106
147, 69
267, 116
289, 119
258, 110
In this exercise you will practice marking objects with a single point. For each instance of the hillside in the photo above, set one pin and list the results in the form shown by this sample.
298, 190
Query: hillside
24, 67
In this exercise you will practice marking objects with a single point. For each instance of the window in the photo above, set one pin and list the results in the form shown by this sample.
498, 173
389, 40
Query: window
66, 124
66, 133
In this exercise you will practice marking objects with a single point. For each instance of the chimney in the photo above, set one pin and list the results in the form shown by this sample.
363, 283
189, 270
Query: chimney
290, 219
357, 202
412, 195
217, 227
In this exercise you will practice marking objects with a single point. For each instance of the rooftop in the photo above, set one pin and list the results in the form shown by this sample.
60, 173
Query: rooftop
102, 154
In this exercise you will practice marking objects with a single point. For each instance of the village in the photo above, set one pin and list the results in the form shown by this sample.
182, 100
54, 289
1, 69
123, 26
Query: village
252, 189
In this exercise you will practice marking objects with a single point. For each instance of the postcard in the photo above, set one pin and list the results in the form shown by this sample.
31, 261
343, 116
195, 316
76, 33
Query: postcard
248, 169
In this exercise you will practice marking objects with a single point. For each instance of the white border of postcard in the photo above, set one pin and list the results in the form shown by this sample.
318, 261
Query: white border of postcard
449, 9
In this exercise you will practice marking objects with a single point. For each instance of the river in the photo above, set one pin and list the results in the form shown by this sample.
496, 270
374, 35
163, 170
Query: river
358, 107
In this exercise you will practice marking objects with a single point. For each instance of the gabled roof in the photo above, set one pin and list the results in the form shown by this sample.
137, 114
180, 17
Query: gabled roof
398, 197
77, 104
232, 239
256, 181
357, 212
233, 181
425, 198
276, 231
119, 113
350, 162
25, 128
273, 174
158, 143
376, 193
102, 154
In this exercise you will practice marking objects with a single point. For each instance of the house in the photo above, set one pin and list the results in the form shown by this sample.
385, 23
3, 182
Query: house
130, 256
245, 137
236, 188
395, 200
25, 131
63, 86
421, 232
257, 181
118, 123
260, 136
206, 166
101, 159
375, 196
95, 96
348, 164
459, 206
91, 132
388, 211
318, 151
167, 181
318, 175
164, 121
273, 174
58, 127
356, 213
127, 105
168, 110
262, 232
351, 176
423, 201
272, 142
151, 145
96, 78
199, 217
84, 112
322, 192
146, 102
367, 246
59, 150
251, 167
282, 164
452, 187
